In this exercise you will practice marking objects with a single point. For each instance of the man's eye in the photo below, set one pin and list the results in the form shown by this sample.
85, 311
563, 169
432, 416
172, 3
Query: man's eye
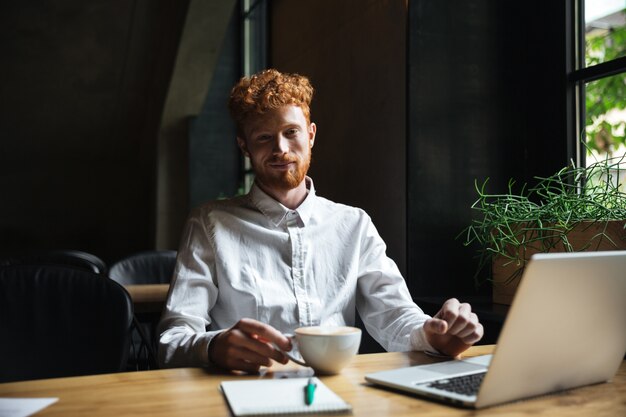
263, 138
292, 132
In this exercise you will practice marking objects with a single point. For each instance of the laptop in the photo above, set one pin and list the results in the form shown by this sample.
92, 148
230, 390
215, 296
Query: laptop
566, 328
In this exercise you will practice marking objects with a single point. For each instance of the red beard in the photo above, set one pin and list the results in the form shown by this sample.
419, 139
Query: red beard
285, 180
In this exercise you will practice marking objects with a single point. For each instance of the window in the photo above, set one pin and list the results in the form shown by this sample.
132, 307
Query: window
600, 79
254, 53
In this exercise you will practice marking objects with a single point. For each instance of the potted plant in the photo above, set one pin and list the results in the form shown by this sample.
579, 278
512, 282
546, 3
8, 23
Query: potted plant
576, 209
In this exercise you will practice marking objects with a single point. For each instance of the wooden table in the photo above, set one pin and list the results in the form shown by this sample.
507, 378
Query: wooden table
194, 392
148, 298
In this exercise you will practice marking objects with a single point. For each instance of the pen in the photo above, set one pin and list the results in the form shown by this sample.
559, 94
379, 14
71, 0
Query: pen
309, 391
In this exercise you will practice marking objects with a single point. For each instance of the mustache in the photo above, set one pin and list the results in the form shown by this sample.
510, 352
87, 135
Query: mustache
284, 160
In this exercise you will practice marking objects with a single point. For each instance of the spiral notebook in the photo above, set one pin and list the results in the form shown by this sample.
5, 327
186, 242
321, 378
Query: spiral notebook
280, 396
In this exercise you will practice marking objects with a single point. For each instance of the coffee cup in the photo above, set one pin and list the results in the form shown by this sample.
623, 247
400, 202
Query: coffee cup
326, 349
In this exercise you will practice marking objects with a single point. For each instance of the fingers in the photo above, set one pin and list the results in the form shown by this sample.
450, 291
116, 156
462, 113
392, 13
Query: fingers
264, 332
250, 348
436, 326
459, 320
247, 346
458, 317
472, 331
474, 336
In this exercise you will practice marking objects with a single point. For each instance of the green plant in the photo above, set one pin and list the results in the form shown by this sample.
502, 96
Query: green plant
539, 218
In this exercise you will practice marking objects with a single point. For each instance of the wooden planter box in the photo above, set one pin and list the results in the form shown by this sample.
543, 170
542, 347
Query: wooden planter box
585, 236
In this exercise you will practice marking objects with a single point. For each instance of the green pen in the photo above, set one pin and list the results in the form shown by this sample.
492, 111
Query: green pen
309, 391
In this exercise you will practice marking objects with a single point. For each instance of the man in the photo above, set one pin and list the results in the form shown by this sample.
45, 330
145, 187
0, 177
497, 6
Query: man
255, 267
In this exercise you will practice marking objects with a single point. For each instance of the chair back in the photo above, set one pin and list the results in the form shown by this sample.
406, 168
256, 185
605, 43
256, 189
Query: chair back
149, 267
59, 321
64, 257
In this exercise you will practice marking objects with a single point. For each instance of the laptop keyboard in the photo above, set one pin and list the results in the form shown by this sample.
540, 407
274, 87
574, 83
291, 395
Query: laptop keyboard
465, 385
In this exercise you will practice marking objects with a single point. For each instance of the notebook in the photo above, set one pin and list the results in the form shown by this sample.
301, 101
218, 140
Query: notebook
566, 328
264, 397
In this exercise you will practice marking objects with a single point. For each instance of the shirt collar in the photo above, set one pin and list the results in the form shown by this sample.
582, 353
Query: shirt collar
276, 212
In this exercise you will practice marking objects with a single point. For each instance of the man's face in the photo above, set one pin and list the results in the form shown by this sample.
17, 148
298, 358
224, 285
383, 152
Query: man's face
279, 144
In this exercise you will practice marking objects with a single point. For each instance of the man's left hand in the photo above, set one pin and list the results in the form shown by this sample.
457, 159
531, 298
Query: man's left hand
454, 328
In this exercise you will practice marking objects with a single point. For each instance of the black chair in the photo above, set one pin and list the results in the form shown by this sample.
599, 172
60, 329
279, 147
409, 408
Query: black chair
148, 267
60, 321
74, 258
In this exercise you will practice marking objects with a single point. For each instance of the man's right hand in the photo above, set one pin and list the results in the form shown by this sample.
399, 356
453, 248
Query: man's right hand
248, 345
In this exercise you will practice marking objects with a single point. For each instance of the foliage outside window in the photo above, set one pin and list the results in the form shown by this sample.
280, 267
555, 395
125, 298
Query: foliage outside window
605, 41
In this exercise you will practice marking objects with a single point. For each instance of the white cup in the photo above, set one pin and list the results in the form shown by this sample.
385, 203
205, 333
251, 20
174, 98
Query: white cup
327, 349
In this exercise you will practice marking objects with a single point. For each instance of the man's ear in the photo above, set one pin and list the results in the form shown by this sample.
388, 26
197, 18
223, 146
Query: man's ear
312, 132
242, 146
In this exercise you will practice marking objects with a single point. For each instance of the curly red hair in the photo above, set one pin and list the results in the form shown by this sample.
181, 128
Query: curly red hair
268, 90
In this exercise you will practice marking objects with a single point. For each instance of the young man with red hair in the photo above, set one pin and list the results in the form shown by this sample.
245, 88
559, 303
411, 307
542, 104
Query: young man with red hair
253, 268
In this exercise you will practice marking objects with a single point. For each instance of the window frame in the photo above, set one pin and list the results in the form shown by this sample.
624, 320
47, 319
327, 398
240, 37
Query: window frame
578, 75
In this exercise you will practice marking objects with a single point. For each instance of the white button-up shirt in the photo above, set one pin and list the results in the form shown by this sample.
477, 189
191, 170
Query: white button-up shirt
250, 256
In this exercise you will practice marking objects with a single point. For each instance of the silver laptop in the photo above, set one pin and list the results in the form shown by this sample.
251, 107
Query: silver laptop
566, 328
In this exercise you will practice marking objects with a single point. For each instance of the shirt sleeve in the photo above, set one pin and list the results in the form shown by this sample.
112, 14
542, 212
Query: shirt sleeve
184, 340
383, 299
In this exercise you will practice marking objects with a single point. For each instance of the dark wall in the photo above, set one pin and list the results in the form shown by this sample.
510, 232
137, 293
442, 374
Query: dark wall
214, 158
486, 99
82, 87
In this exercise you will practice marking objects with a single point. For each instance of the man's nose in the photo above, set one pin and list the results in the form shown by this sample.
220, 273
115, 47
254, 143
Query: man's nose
281, 144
